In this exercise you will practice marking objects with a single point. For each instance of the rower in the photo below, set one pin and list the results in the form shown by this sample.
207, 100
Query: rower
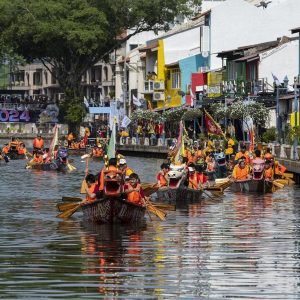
38, 143
268, 155
268, 173
194, 181
22, 149
133, 190
37, 158
91, 189
161, 177
70, 138
125, 169
5, 149
279, 169
243, 153
241, 171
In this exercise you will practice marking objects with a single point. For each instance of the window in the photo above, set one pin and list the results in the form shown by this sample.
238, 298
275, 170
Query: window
133, 46
37, 78
175, 79
232, 70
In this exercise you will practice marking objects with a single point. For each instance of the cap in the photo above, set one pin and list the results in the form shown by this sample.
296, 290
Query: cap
191, 169
122, 161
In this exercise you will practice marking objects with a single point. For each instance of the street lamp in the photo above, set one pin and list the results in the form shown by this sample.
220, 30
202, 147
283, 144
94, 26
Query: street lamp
278, 89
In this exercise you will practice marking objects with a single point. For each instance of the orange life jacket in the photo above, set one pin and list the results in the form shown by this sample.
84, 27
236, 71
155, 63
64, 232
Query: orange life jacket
269, 173
5, 149
38, 143
194, 182
70, 137
91, 190
38, 159
21, 151
240, 174
279, 169
101, 179
135, 196
162, 179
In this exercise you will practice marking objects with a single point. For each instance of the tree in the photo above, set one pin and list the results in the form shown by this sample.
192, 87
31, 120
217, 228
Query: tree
70, 36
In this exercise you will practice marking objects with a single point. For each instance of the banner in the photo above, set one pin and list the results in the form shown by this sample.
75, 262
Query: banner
125, 122
111, 150
212, 126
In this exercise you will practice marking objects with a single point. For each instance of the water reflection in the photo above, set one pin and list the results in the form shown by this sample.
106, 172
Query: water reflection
234, 246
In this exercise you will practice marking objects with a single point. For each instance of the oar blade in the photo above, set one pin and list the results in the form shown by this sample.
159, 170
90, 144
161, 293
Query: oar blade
68, 213
66, 206
71, 199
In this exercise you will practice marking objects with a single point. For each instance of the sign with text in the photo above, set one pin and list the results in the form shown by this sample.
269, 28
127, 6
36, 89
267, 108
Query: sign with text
13, 115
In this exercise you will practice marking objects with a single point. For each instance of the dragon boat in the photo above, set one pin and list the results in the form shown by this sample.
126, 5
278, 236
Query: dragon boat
257, 184
177, 191
112, 208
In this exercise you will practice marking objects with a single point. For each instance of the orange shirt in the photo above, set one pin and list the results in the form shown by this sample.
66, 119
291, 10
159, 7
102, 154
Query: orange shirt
239, 173
134, 196
161, 178
269, 173
38, 143
91, 190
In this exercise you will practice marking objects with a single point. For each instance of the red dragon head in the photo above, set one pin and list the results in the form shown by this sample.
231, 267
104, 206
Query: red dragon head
113, 183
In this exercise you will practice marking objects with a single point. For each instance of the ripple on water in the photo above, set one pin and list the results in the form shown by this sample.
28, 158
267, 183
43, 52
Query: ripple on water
234, 247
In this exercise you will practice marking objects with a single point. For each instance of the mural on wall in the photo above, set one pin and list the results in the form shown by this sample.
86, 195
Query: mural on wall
50, 114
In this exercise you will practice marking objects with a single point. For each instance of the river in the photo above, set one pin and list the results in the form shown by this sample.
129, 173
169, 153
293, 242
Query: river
234, 247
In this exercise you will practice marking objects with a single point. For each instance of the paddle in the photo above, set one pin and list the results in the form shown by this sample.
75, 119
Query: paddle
156, 211
66, 206
71, 167
71, 199
83, 184
165, 206
149, 188
68, 213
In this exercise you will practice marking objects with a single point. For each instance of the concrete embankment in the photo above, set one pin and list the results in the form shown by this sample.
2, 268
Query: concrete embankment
143, 151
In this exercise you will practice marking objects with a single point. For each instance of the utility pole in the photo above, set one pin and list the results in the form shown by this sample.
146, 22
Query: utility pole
296, 89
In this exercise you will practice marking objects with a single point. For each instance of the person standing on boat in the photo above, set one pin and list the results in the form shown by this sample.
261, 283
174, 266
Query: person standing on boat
38, 143
243, 153
268, 173
161, 177
241, 171
133, 190
91, 189
125, 169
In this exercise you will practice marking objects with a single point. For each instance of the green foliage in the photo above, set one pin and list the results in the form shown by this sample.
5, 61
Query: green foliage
240, 110
69, 37
145, 115
293, 133
270, 135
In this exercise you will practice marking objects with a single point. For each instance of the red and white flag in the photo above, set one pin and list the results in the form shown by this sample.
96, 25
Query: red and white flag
212, 126
192, 97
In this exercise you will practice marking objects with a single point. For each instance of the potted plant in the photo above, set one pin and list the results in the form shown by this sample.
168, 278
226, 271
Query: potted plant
271, 136
294, 133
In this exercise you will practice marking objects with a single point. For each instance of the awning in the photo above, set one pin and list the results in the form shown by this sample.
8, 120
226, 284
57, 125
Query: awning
248, 58
149, 47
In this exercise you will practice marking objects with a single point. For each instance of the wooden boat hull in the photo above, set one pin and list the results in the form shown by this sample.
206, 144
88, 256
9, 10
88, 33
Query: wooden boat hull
252, 186
113, 210
97, 158
80, 151
50, 167
177, 195
15, 155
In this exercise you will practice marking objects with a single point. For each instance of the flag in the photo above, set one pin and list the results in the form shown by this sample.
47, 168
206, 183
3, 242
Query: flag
86, 103
276, 80
125, 122
192, 97
111, 150
178, 147
212, 126
53, 143
136, 101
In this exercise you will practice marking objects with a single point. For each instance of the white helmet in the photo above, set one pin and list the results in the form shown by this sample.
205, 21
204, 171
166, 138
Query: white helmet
122, 161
